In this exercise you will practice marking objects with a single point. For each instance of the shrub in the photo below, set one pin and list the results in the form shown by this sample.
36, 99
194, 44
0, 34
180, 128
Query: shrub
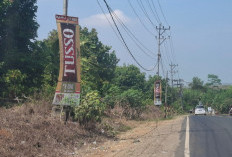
112, 97
132, 102
90, 109
14, 80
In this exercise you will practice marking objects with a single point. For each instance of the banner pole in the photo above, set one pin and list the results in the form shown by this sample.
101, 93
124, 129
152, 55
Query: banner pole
65, 7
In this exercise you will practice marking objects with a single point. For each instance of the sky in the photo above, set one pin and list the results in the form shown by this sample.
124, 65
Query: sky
200, 36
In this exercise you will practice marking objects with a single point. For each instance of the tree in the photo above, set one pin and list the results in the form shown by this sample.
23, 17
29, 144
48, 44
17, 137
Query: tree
197, 84
4, 4
127, 77
17, 34
213, 80
50, 48
98, 63
21, 29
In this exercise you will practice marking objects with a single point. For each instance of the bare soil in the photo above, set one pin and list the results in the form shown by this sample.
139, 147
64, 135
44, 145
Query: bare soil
30, 130
147, 139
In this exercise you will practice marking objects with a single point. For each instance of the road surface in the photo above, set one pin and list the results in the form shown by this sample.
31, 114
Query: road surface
209, 136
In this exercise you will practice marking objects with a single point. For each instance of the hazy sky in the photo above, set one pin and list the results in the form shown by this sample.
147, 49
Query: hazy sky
201, 32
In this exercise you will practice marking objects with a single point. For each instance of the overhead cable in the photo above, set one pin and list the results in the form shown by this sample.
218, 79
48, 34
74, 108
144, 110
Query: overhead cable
162, 12
145, 12
156, 15
140, 20
109, 21
109, 9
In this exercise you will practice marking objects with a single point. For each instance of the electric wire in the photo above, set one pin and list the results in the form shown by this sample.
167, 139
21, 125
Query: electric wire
109, 21
163, 54
173, 53
145, 12
140, 20
162, 12
167, 51
154, 12
124, 40
162, 67
133, 37
172, 49
126, 31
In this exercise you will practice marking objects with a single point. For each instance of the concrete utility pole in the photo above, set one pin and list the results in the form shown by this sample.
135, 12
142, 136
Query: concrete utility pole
166, 95
65, 7
172, 71
166, 89
161, 39
180, 85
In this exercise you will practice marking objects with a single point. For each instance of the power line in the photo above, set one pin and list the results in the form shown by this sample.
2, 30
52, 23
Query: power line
153, 12
127, 31
123, 39
167, 51
173, 53
145, 12
109, 21
162, 12
133, 9
163, 67
132, 36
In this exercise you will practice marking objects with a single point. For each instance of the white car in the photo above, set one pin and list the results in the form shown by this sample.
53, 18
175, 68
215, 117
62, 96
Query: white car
200, 110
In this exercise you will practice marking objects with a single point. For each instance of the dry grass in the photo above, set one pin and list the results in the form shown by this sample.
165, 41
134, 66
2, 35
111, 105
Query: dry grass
30, 130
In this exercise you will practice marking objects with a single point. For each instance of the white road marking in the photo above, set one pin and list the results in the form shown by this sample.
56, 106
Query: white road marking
186, 150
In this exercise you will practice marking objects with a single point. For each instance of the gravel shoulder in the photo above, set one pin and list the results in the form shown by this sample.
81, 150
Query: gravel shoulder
147, 139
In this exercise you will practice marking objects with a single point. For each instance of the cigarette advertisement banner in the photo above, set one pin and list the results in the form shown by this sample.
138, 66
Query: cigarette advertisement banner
157, 93
68, 86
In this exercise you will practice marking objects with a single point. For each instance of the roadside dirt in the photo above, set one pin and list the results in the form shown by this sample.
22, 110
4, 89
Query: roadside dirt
158, 139
30, 130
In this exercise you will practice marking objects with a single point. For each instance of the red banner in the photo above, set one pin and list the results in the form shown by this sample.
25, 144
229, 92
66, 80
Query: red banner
157, 93
68, 87
69, 49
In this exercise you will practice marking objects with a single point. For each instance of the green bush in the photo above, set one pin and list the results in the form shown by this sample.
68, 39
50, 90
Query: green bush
133, 103
14, 81
112, 97
90, 109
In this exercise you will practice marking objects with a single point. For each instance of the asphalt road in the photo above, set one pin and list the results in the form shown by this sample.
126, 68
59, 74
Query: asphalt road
210, 136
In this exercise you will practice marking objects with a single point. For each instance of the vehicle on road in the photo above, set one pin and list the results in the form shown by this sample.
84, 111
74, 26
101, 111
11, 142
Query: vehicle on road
200, 110
230, 111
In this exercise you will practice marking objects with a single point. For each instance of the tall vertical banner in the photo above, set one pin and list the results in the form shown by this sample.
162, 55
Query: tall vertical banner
157, 93
68, 87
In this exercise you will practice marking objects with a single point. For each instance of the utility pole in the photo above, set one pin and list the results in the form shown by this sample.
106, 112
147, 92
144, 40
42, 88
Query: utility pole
180, 85
166, 89
65, 7
161, 39
166, 96
172, 71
